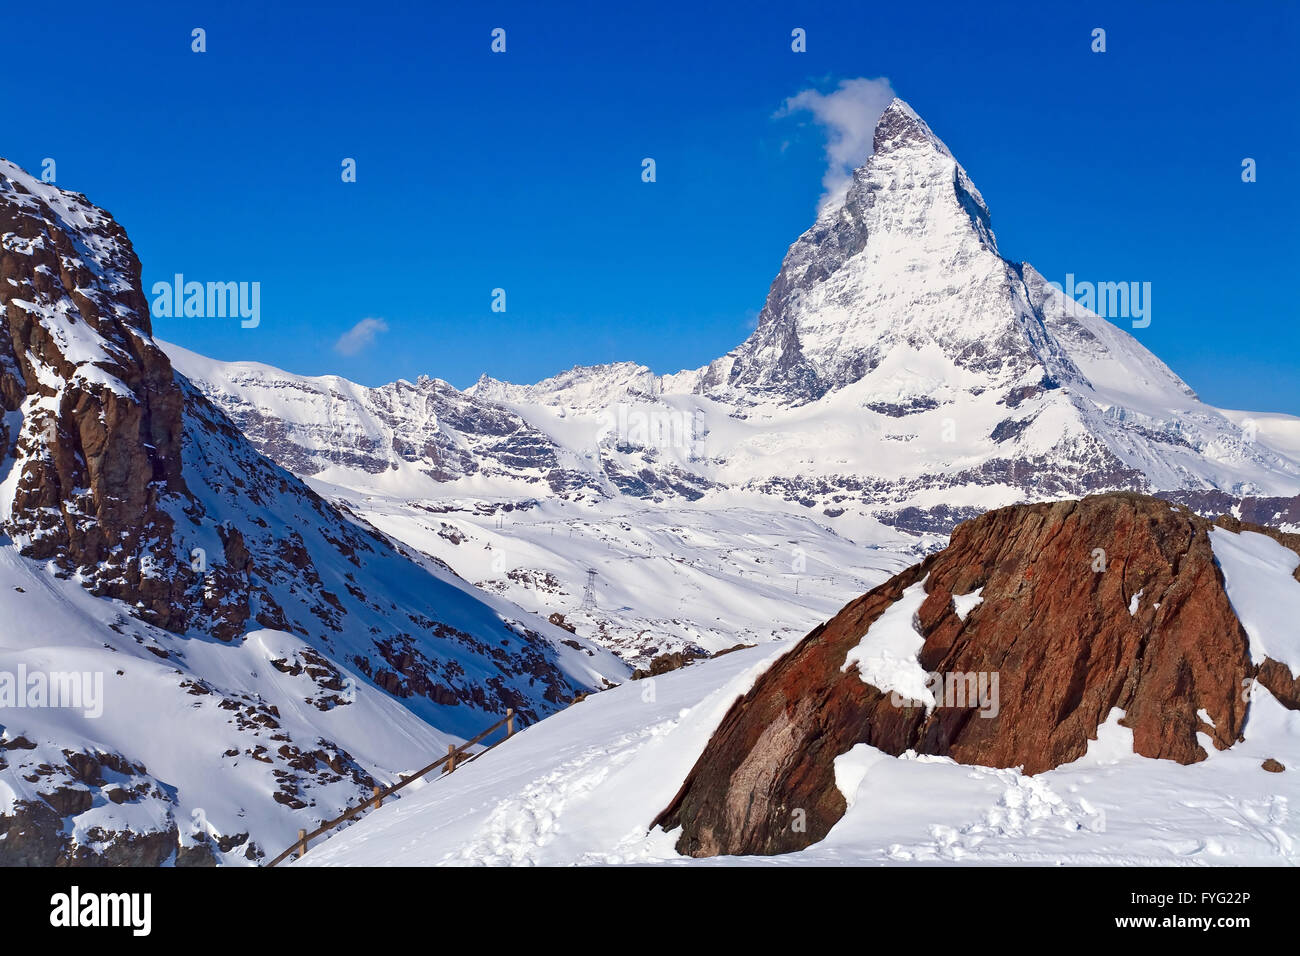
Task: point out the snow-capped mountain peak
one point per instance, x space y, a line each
906 257
899 126
901 368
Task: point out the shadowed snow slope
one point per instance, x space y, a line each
151 553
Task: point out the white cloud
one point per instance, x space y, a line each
849 114
360 337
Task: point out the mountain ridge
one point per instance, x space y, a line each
896 330
903 377
148 542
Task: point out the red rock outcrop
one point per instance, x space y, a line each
1054 627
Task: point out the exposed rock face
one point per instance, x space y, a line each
99 444
123 476
1153 634
1265 515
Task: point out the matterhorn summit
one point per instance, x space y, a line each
905 260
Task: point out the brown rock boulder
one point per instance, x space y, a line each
1054 628
1276 676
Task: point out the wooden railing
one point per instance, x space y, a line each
453 759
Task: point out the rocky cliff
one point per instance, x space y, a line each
1064 611
118 477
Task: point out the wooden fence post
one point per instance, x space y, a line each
378 793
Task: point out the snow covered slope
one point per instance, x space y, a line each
582 788
181 748
675 571
148 547
668 579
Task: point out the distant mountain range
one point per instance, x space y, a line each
901 368
903 377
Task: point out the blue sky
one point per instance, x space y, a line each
522 170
